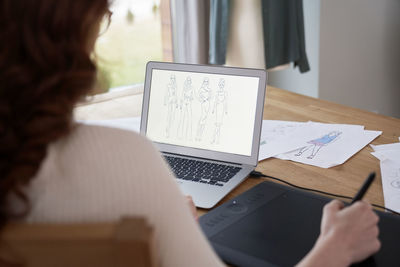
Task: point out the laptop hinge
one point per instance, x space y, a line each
199 158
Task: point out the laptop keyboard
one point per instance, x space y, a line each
200 171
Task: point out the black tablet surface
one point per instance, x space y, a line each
276 225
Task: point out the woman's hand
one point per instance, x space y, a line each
192 207
348 235
354 228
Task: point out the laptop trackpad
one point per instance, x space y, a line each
282 226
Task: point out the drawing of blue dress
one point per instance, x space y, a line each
326 139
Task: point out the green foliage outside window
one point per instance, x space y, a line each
124 49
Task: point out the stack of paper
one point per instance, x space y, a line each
389 156
320 144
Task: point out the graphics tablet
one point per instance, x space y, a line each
275 225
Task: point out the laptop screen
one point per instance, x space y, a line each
214 112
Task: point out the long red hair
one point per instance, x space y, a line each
45 69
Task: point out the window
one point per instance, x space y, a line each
132 39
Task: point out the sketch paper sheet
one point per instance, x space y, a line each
130 123
331 144
281 136
394 146
390 172
389 156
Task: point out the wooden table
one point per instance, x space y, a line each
344 179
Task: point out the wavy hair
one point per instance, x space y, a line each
45 69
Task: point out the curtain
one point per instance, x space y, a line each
219 29
283 30
190 23
283 26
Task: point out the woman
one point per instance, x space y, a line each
53 170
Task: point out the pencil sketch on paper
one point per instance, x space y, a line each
263 142
395 177
276 132
219 109
185 123
396 183
204 97
317 144
171 101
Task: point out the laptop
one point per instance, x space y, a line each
206 121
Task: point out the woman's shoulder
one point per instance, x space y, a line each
87 143
93 136
104 132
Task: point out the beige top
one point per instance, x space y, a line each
100 174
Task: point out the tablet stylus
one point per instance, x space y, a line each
364 187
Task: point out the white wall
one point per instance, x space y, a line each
360 54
